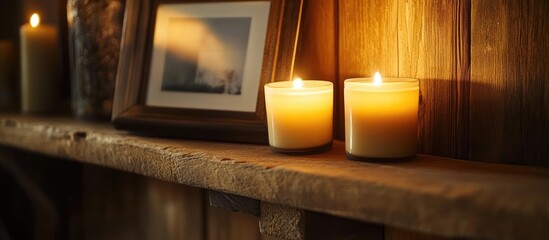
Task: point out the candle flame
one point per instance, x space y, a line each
377 79
34 20
298 83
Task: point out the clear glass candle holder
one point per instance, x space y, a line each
299 118
381 119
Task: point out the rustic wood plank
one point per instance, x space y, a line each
110 212
282 222
429 194
173 211
433 46
225 225
510 88
234 203
368 38
119 205
367 42
317 47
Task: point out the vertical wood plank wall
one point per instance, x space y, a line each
433 46
482 66
422 39
510 81
317 47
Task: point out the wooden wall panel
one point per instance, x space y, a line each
225 225
109 202
433 46
316 50
368 38
510 82
316 56
367 42
174 211
120 205
482 67
40 196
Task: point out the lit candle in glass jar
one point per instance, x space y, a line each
299 115
381 118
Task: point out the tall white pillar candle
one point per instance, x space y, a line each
39 67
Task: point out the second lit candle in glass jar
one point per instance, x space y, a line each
299 116
381 118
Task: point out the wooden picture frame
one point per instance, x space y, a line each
132 112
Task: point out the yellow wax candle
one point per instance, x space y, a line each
299 115
381 117
39 67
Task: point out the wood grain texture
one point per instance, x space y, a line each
367 38
430 194
174 211
433 38
225 225
132 56
119 205
317 46
316 56
234 203
282 222
109 212
367 43
510 87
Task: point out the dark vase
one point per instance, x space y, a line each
95 28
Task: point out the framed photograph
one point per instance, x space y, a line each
196 69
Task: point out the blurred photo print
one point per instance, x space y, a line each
208 55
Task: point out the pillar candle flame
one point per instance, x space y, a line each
34 20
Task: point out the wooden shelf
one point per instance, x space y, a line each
430 194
